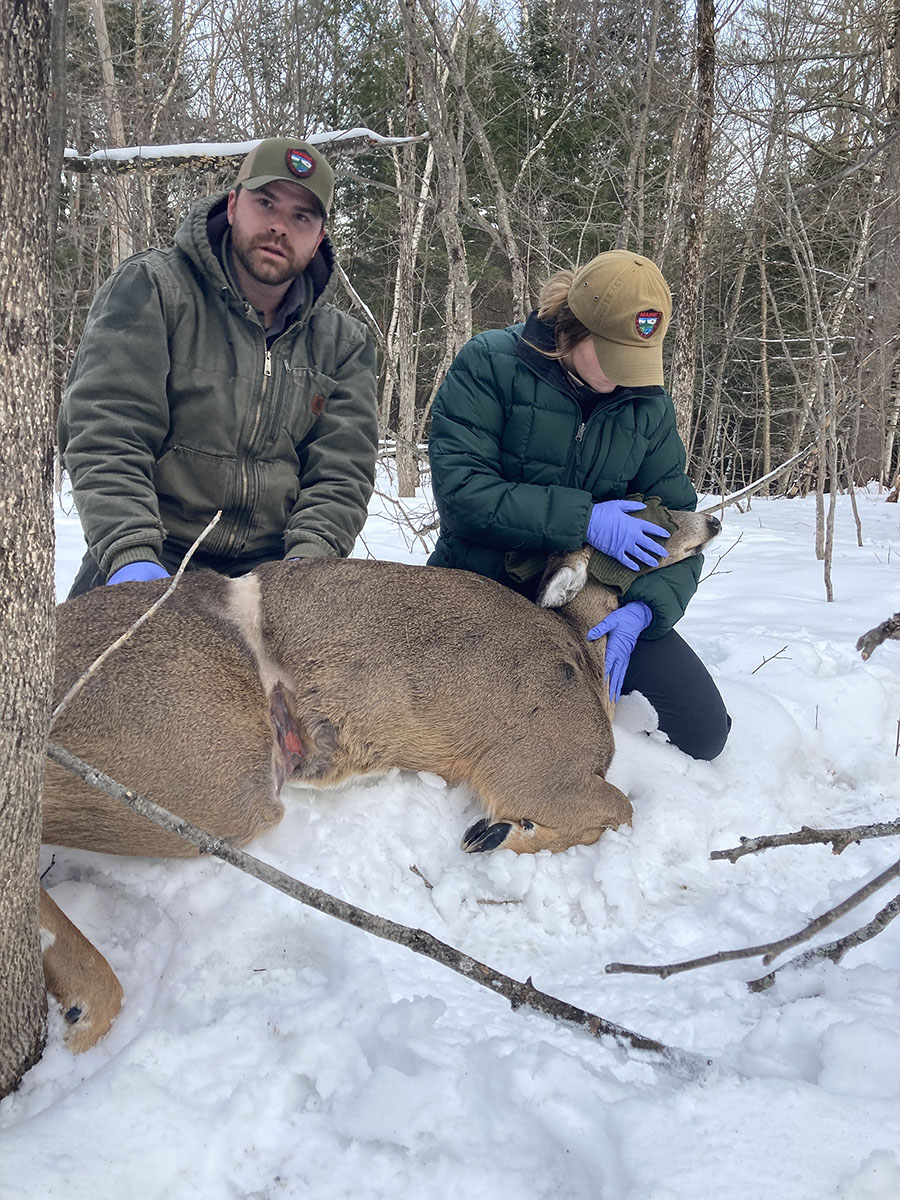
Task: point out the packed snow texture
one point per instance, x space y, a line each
266 1050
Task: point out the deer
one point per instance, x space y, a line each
317 671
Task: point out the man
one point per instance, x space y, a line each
215 375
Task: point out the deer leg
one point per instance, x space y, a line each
79 977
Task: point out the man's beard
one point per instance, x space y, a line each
262 269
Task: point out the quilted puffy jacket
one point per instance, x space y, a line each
516 466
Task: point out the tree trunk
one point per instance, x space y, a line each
120 201
26 530
450 187
683 369
880 343
631 231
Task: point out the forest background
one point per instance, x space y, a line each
753 152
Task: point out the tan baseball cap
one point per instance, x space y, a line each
624 301
292 160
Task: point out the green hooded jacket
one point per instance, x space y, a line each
176 407
516 466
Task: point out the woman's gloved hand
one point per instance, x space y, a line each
621 628
139 572
623 537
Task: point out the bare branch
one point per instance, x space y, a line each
724 554
769 950
834 951
217 156
771 657
733 497
806 835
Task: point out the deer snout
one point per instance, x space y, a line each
714 525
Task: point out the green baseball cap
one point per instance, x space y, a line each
291 160
624 301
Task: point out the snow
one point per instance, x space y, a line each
266 1050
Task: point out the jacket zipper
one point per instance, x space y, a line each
245 478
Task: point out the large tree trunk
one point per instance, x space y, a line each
26 531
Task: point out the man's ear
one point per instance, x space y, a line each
232 201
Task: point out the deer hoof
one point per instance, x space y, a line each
484 836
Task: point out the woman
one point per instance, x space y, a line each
541 430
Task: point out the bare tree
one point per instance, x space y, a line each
26 533
683 361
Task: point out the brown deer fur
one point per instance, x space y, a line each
321 670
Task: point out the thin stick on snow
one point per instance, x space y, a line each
769 950
834 951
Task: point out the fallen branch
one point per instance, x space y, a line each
834 951
120 641
806 835
769 950
520 995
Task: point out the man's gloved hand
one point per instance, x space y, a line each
138 572
624 537
622 628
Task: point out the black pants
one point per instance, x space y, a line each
90 576
691 712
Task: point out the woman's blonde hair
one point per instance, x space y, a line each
553 307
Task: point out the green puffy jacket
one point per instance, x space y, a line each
515 466
176 408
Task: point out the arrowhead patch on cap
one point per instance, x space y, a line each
300 163
647 322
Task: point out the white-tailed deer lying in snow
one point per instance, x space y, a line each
320 670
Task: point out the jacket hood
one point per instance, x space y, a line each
200 238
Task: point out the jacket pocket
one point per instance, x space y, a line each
302 394
192 485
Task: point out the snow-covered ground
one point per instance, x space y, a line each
267 1051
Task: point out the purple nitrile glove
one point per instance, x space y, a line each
138 572
622 628
624 537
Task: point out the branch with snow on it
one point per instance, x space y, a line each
129 158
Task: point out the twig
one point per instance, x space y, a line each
839 839
120 641
769 950
715 569
418 940
415 870
769 659
836 950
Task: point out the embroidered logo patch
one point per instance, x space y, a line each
300 163
647 322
